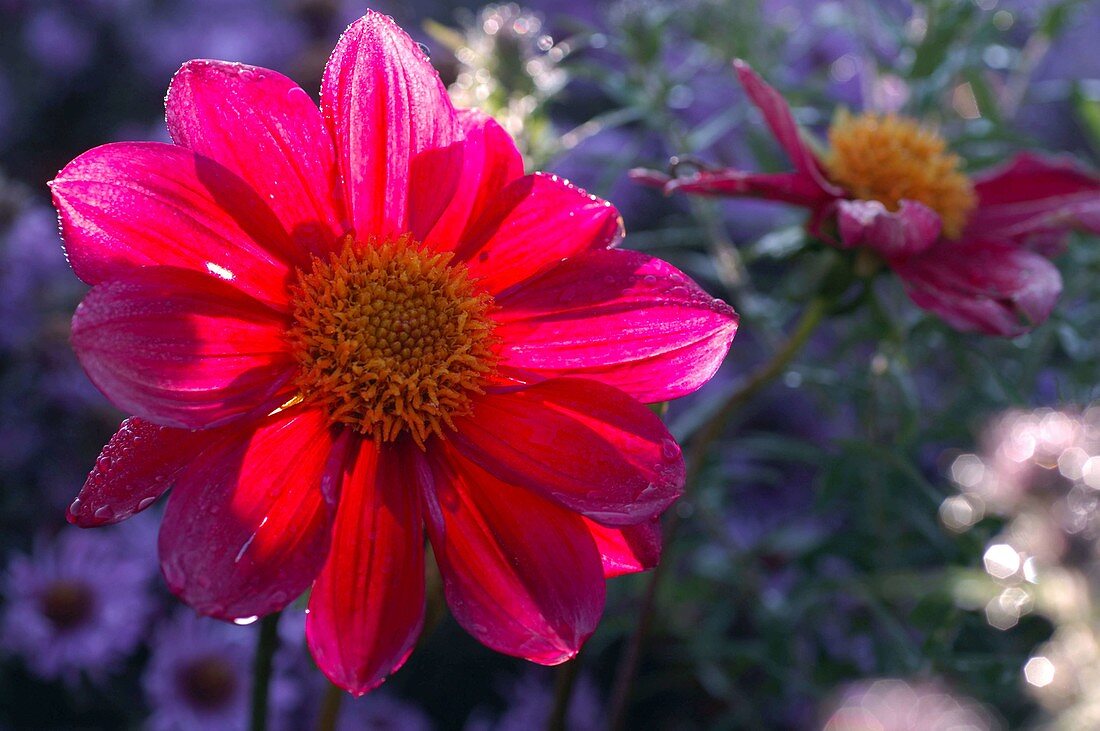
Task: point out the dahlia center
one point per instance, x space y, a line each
391 338
66 604
888 158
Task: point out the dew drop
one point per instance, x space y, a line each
649 279
104 513
75 506
146 502
670 449
245 621
296 91
173 574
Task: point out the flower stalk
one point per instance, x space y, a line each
266 645
330 708
627 671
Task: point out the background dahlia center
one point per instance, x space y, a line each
391 337
888 158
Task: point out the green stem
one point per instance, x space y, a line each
563 690
266 645
330 708
710 431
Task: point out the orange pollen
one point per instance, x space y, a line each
888 158
391 337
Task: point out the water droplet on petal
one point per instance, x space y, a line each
296 91
104 513
75 507
146 502
670 449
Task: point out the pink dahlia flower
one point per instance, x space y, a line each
969 250
341 329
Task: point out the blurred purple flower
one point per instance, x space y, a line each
531 701
199 677
57 40
32 271
380 711
77 604
242 30
9 106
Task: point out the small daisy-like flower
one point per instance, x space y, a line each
971 250
199 676
341 329
76 605
382 712
531 704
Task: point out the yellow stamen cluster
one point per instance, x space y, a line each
391 337
889 158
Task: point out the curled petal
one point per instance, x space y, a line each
910 230
131 204
670 335
797 188
996 288
182 349
139 464
265 128
520 573
1034 198
367 606
247 526
651 178
777 115
384 105
534 223
587 446
627 550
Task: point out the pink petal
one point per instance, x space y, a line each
587 446
912 229
777 115
263 127
534 223
384 105
367 606
247 526
1034 197
521 574
489 161
627 550
131 204
181 348
992 287
669 335
797 188
138 465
